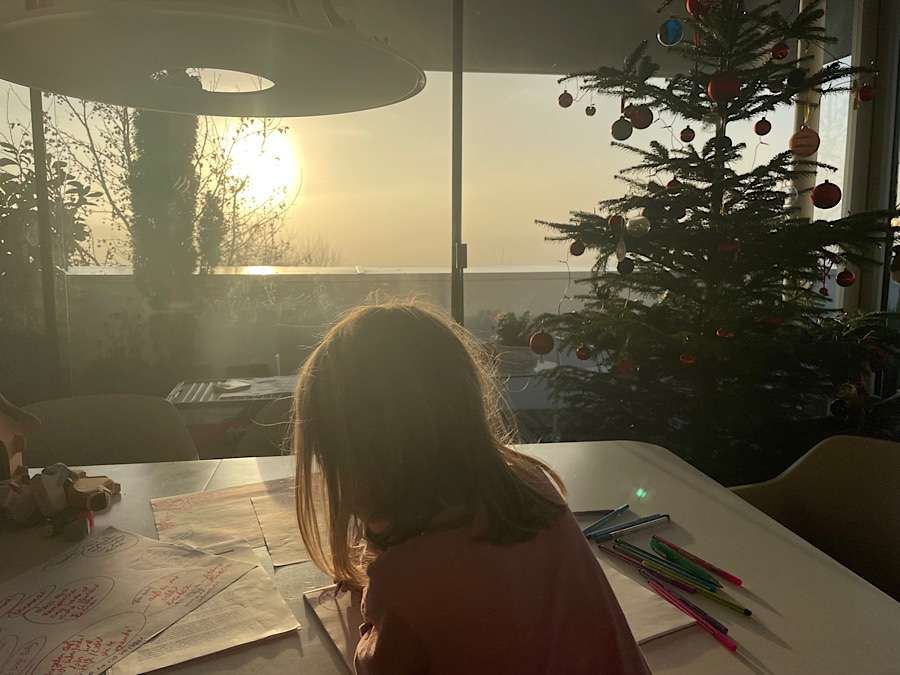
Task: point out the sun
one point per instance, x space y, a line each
268 164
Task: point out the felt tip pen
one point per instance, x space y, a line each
672 568
634 562
671 574
629 527
725 601
677 559
720 637
605 518
718 625
730 578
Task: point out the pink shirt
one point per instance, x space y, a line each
447 604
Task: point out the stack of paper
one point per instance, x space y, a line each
249 610
121 601
102 599
260 513
207 519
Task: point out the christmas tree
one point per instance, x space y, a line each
707 325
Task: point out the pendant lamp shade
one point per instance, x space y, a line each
152 54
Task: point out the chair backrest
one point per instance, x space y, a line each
108 429
269 433
843 496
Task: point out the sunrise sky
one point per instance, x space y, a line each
375 185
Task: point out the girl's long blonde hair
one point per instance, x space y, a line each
397 419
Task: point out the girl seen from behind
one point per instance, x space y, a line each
470 560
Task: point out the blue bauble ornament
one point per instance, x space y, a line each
671 32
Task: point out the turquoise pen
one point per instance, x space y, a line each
626 528
619 510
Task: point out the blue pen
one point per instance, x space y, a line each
619 510
616 530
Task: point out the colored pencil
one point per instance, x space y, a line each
674 557
619 510
630 526
637 563
663 563
723 639
730 578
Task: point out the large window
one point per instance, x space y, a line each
202 248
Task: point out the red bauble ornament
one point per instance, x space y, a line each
826 195
780 51
845 278
640 116
773 320
724 333
674 185
696 8
541 343
565 99
577 247
616 220
723 87
823 292
729 246
687 135
582 352
762 127
805 142
590 111
687 359
865 93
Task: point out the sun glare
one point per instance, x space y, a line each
269 166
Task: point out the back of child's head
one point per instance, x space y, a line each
399 410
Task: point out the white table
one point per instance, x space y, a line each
811 615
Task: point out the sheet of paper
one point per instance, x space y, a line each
277 516
206 519
100 600
648 615
249 610
340 617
